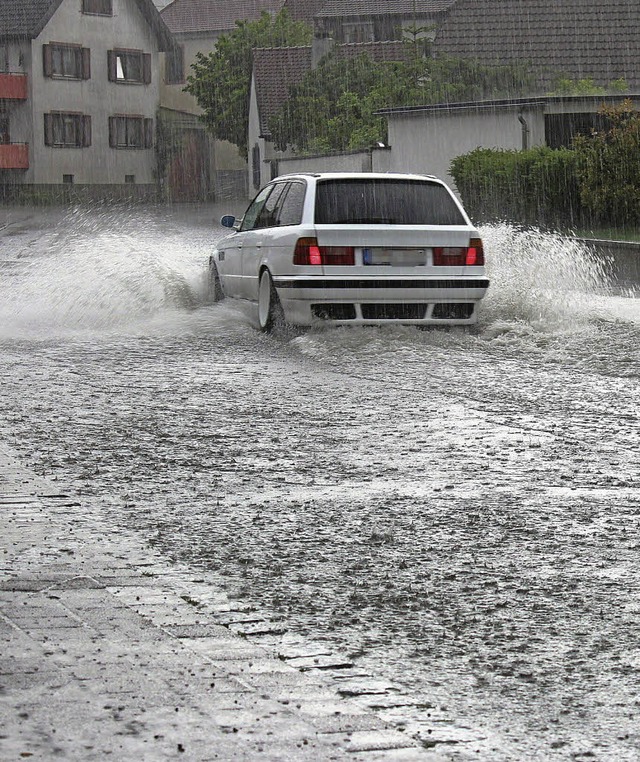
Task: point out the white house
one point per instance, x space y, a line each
79 92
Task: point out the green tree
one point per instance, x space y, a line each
334 107
567 86
609 166
221 80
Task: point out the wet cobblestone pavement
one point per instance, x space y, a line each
456 514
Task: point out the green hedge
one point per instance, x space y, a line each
538 186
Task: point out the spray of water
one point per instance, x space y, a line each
102 269
114 269
544 281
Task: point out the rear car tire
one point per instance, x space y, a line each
270 312
216 294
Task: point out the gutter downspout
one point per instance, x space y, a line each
525 131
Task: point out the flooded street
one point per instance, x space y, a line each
457 511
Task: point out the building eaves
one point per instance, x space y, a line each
505 103
193 17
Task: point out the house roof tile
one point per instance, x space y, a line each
303 10
276 70
579 39
332 8
203 16
27 18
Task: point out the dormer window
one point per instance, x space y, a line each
129 66
98 7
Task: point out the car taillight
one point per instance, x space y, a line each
307 252
459 256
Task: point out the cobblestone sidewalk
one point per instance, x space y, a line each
109 651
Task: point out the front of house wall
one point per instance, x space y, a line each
97 164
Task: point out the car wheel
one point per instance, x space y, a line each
270 312
216 294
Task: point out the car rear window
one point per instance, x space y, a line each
385 202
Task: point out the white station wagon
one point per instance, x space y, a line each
353 249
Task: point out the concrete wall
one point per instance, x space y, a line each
227 167
173 96
98 163
346 162
427 142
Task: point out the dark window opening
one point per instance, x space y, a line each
67 179
4 129
174 66
130 132
561 129
98 7
385 202
67 61
255 165
67 130
129 66
130 179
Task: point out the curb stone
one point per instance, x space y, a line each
108 650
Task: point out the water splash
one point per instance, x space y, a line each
102 269
547 281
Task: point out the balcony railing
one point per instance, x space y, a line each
13 87
14 156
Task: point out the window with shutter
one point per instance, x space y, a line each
98 7
174 66
130 132
67 130
129 66
62 61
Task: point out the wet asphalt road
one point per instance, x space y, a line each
458 511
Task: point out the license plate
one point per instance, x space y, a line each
395 257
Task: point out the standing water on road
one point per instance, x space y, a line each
456 511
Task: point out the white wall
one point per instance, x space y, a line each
98 163
351 162
427 142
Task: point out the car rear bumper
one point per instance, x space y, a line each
379 301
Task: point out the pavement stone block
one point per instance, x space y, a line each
377 740
102 640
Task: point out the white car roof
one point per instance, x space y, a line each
359 175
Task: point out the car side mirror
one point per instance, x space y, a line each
228 221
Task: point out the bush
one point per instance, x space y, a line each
608 167
538 186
